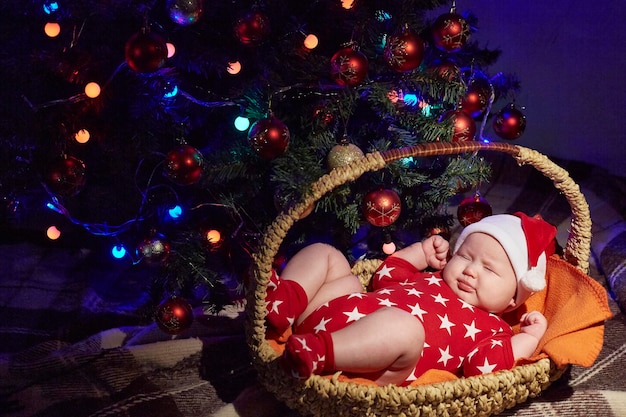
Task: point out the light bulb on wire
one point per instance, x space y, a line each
311 41
92 90
82 136
52 29
234 67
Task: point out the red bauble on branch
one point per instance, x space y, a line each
252 28
472 209
509 123
174 316
382 207
464 125
478 96
348 67
145 52
269 137
65 176
447 70
183 165
450 32
404 52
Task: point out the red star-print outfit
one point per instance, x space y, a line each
460 338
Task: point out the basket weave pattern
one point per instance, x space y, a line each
480 395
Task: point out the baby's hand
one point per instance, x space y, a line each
534 323
436 251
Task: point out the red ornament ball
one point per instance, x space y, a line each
478 96
348 67
450 32
154 250
509 123
404 52
145 52
183 165
174 316
464 125
269 137
65 176
382 207
472 209
447 70
252 28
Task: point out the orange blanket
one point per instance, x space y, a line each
576 307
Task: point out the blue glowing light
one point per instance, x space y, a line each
118 251
410 99
175 212
382 15
53 207
50 7
171 93
242 123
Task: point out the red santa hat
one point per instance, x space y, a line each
528 241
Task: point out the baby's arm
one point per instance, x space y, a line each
533 327
432 252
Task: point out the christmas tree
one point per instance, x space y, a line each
175 131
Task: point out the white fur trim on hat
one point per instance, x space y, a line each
507 229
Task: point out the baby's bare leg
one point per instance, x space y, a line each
324 274
383 346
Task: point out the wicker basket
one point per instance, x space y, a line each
480 395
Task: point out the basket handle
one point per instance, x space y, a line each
577 248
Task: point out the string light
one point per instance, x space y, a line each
347 4
213 236
171 49
234 67
82 136
311 41
50 7
92 90
52 29
118 251
53 233
242 123
175 212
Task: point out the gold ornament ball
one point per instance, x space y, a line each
343 154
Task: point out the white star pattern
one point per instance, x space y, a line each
386 302
471 330
353 315
445 356
356 295
472 353
320 358
385 271
495 342
275 305
303 344
321 326
486 367
414 292
466 305
385 291
439 299
446 323
416 310
433 280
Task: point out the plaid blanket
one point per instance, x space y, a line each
75 344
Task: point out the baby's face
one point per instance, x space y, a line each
480 273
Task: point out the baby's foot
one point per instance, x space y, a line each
304 355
